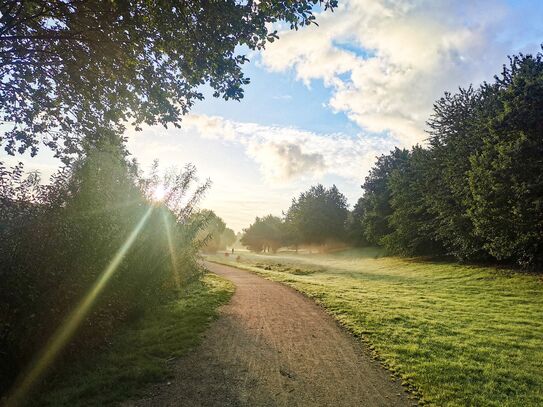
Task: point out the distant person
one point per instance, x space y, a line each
232 250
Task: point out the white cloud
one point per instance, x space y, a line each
257 169
288 154
387 61
286 160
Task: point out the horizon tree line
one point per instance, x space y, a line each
473 192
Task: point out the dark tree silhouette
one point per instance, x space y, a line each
82 68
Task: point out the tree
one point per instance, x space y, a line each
228 238
265 234
410 222
57 240
74 68
506 176
318 215
477 191
375 203
456 128
354 228
213 231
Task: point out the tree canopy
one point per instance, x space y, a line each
85 68
214 233
265 234
57 240
476 191
375 204
317 215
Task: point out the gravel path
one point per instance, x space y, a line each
274 347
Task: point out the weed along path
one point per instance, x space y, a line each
271 346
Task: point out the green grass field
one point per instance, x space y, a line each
142 353
457 335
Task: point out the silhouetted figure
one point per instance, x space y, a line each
232 250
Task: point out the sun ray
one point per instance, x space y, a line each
171 246
66 331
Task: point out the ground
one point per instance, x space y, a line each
274 347
141 353
456 334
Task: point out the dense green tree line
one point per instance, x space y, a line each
266 234
317 217
476 191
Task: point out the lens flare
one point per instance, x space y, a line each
63 334
159 193
171 246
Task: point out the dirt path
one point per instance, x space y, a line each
274 347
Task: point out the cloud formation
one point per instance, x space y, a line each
387 61
286 153
286 160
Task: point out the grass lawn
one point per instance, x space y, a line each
141 353
457 335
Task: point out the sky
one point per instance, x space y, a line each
324 101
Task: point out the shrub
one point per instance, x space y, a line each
57 240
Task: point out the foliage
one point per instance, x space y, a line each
214 234
506 177
354 229
212 231
456 128
318 215
476 191
411 222
73 69
228 238
265 234
56 240
457 335
376 199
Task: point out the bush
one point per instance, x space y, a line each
57 240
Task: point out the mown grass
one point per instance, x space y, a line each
457 335
142 353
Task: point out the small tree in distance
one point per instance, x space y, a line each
317 216
228 238
215 235
265 234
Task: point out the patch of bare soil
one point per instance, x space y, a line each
272 346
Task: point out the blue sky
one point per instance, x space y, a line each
324 101
280 99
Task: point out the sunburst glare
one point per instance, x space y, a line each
159 193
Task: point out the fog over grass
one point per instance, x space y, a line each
457 334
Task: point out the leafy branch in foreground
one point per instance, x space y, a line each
81 68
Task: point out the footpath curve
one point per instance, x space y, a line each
271 346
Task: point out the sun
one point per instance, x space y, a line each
159 193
